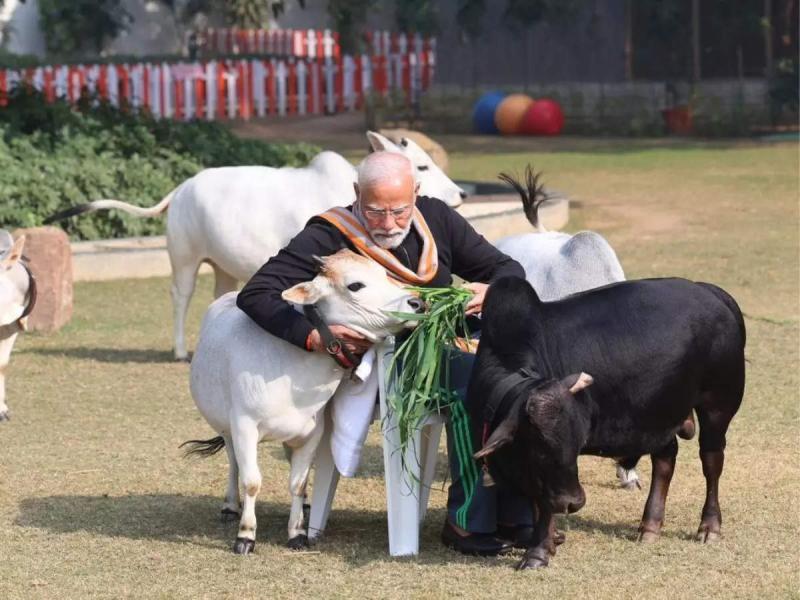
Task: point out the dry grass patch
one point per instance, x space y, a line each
95 500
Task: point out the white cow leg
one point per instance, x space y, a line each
231 508
223 282
4 414
183 282
5 354
301 460
245 444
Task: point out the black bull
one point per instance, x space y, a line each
654 351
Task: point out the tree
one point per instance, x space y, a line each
417 16
74 27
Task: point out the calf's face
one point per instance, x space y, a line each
549 430
354 291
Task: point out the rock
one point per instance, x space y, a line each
434 149
50 260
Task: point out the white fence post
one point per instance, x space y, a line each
301 86
280 77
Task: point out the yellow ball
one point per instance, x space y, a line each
510 112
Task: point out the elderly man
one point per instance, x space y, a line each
420 241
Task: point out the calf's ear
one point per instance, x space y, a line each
307 292
577 382
13 254
501 436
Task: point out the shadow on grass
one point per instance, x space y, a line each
357 536
627 530
108 355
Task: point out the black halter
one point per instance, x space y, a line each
333 345
511 382
30 301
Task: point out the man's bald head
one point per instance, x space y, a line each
385 169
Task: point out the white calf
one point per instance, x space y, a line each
235 218
251 386
559 264
17 298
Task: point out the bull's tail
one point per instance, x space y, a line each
203 448
532 197
139 211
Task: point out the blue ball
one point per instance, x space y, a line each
483 115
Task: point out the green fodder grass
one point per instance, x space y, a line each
96 501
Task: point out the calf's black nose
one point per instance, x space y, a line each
417 305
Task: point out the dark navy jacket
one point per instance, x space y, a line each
461 250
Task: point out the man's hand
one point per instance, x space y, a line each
475 305
352 340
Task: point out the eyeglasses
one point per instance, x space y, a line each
396 213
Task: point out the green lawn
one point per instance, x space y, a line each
96 501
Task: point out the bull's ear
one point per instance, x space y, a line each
504 434
13 254
307 292
379 142
577 382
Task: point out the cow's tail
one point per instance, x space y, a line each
203 448
532 195
139 211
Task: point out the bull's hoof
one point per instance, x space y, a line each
559 537
649 537
243 546
707 536
531 563
298 542
228 515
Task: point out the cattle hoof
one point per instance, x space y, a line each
708 537
243 546
559 537
298 542
648 537
531 563
227 515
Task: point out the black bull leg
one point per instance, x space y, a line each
663 468
542 543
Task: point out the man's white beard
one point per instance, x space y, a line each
389 240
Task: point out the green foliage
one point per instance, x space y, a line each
75 27
420 366
417 16
53 157
349 18
783 90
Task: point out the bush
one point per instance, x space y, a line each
54 156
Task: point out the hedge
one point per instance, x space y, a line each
54 156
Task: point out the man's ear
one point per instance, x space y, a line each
577 382
308 292
13 254
379 142
504 434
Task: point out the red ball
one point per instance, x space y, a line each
543 117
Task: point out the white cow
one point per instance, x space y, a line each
559 264
251 385
17 298
235 218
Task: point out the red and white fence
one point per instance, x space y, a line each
305 43
237 88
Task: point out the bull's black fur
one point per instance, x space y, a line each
203 448
657 349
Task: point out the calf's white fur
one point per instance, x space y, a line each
251 386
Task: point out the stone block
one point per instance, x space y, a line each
50 260
434 149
